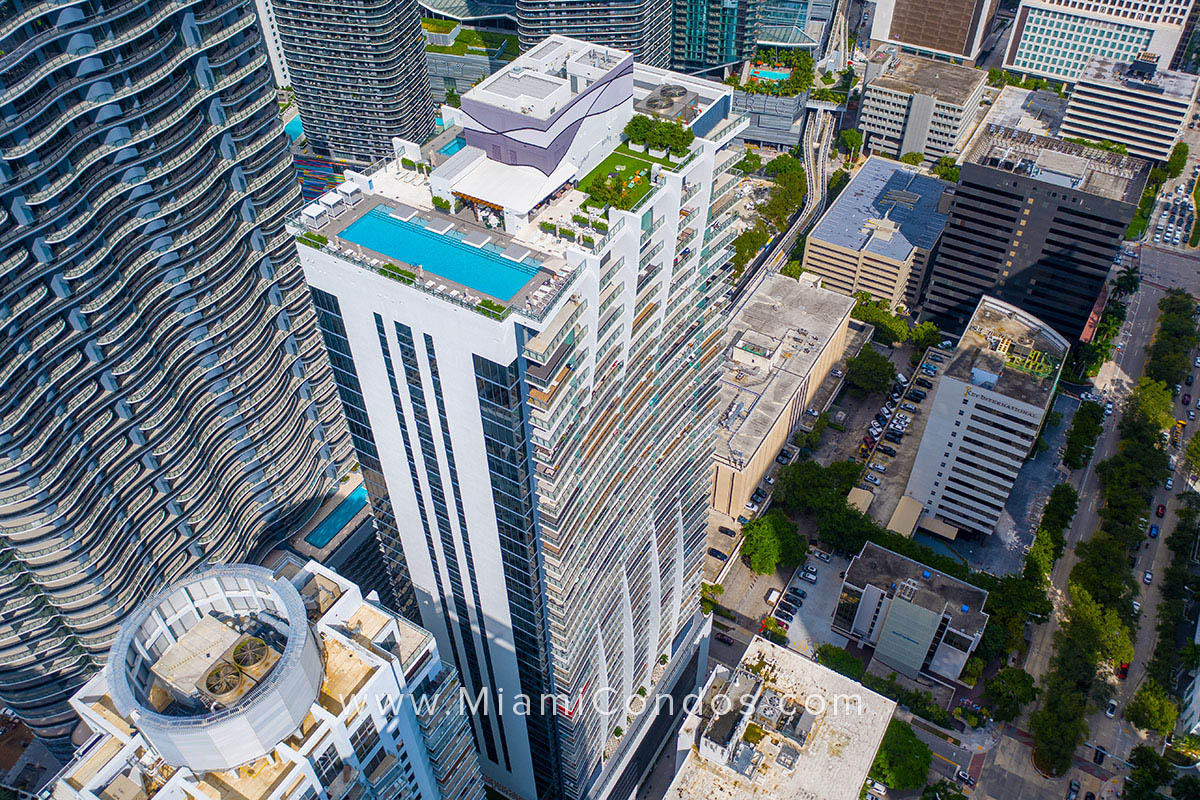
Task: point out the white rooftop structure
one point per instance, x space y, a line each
816 732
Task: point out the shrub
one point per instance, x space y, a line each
588 240
408 163
441 203
548 227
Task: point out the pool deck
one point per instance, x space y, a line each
301 545
397 187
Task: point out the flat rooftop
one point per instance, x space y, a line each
823 753
1067 164
1166 83
929 588
888 209
793 320
1038 112
1009 351
950 83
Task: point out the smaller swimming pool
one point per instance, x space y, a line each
332 525
770 74
294 128
453 146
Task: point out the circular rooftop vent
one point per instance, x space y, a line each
223 681
250 652
659 103
672 90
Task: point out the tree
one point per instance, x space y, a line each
852 140
746 246
1081 437
1154 401
1152 709
1009 691
840 660
1149 772
1186 787
903 760
1128 280
925 335
774 631
751 162
946 169
785 164
914 158
1177 160
869 372
770 540
942 790
889 328
1191 453
792 269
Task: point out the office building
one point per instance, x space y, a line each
165 395
794 24
1035 222
1054 39
985 417
532 386
359 76
918 620
878 234
786 339
917 105
458 56
641 27
779 726
948 30
1134 104
261 684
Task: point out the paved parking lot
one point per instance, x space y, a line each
811 625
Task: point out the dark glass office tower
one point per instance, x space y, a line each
358 72
165 397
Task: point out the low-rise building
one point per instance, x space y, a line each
787 338
919 621
779 726
271 684
984 419
1131 103
918 105
878 234
458 56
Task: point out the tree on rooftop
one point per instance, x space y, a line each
914 158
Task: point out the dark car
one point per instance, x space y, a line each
1189 380
887 451
1073 790
758 496
893 437
1161 511
724 638
1153 531
782 616
918 395
784 605
717 554
868 441
881 419
928 384
796 594
730 532
1187 398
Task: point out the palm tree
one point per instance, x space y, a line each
1128 280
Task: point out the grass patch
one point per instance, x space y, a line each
503 46
438 25
633 178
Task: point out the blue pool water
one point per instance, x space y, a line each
770 74
332 525
480 269
453 146
294 128
438 121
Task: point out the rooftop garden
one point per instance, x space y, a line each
620 180
438 25
800 73
470 42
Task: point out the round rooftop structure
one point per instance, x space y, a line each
218 668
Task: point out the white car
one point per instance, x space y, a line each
871 479
1111 711
752 506
875 465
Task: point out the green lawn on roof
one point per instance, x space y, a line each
632 172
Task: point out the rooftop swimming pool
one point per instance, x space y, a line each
769 74
453 146
294 128
332 525
481 269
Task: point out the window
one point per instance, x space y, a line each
327 765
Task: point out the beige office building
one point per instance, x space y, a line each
786 340
878 234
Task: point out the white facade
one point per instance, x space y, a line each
270 31
175 719
544 455
985 416
1055 38
1134 104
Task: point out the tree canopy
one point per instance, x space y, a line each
903 760
870 372
914 158
1152 709
771 540
1153 400
925 335
1007 692
1177 160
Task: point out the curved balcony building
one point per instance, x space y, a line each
165 397
359 75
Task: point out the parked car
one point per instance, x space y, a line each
1189 380
1111 711
1108 408
752 506
795 595
783 617
730 532
786 607
909 407
811 577
1123 670
918 395
887 451
810 568
1171 481
717 554
769 480
1153 531
724 638
868 441
923 382
1161 511
936 357
965 777
1187 398
875 465
821 555
1073 790
871 479
1147 577
893 437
